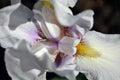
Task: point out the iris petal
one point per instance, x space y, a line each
106 66
67 45
84 19
18 66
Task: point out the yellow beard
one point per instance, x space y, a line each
87 51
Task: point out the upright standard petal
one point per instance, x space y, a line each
50 30
47 10
100 58
68 3
84 19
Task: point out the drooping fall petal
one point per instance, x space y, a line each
100 59
21 64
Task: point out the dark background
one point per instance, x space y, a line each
106 20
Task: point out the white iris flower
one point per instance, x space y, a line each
51 39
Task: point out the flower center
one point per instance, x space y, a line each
59 58
87 51
67 31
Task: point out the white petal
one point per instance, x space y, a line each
54 30
22 52
14 15
6 40
68 63
50 30
47 11
67 45
69 74
106 66
42 77
14 69
44 5
29 31
49 15
62 12
17 73
45 52
10 18
67 67
5 14
21 15
72 2
77 31
84 19
45 59
68 3
38 16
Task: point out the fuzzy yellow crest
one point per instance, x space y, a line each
87 51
